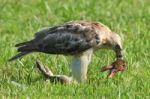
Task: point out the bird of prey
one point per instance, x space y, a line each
76 38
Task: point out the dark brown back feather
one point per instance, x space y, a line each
69 38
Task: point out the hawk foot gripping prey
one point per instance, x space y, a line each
118 65
47 73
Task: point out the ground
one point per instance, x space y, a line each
20 19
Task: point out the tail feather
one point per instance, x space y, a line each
22 44
23 49
18 56
27 48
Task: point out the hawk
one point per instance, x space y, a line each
76 38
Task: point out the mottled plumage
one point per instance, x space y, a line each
70 38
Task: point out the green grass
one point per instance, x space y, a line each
20 19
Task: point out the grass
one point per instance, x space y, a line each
20 19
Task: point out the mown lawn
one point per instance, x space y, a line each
20 19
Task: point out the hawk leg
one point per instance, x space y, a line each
80 64
47 73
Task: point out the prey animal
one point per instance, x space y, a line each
76 38
116 66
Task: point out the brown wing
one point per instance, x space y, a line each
69 38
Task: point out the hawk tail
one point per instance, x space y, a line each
21 54
23 49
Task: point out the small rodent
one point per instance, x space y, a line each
116 66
